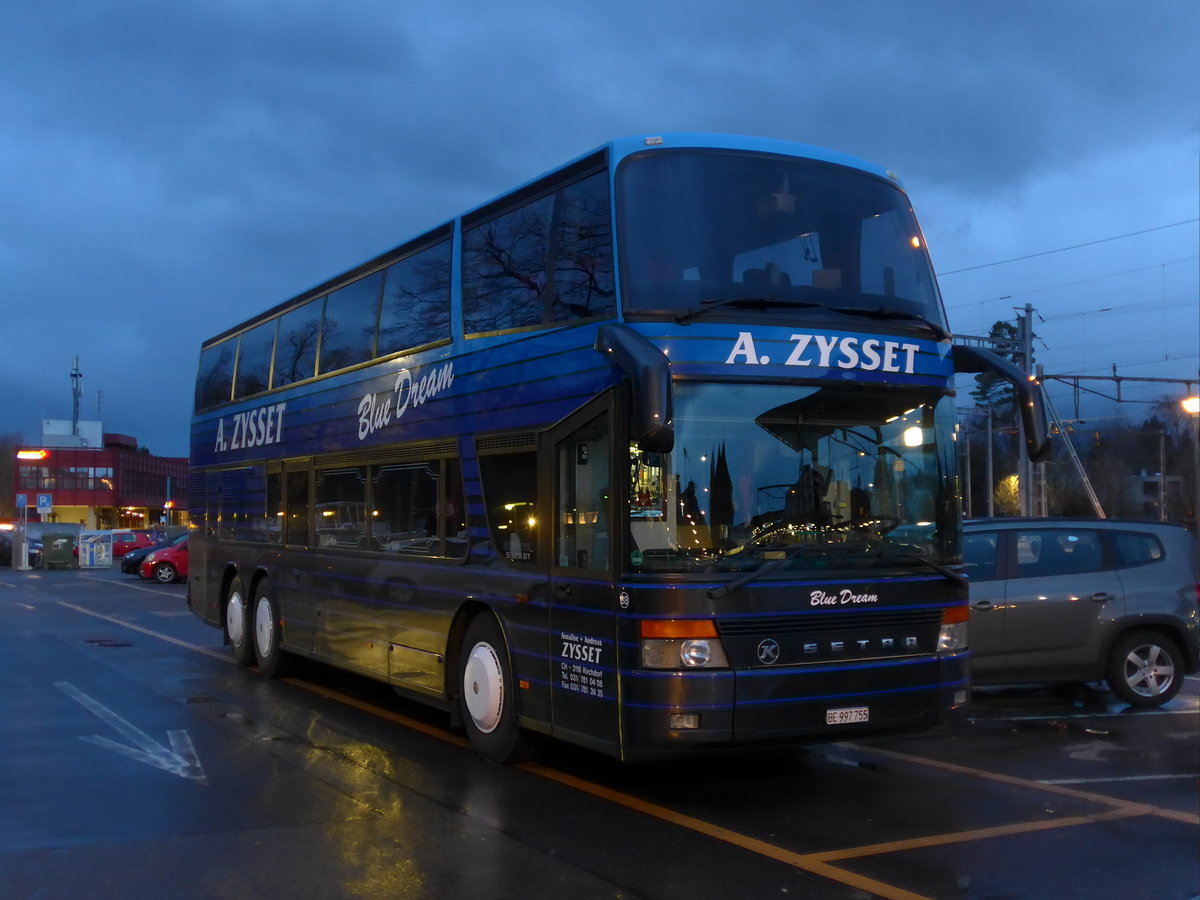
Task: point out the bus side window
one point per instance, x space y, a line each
273 514
297 508
214 384
341 506
510 491
582 513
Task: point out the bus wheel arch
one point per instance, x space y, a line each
485 689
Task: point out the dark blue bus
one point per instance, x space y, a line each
653 454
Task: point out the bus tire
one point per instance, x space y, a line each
487 694
268 634
238 634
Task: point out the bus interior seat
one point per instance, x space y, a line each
771 274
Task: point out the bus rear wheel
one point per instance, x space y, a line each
237 624
486 692
268 633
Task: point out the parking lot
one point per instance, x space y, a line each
139 760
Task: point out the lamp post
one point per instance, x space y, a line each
1191 405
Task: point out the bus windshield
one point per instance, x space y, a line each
824 477
705 229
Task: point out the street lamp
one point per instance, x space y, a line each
1191 405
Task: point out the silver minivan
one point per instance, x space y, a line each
1077 600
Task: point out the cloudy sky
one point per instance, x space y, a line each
168 167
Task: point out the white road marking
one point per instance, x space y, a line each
1114 779
180 760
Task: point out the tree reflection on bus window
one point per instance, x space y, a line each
416 300
348 332
296 348
549 260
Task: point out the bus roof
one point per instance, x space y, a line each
617 150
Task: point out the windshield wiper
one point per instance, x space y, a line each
791 553
788 555
956 577
882 312
743 303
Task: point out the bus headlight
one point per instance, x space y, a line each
953 636
682 644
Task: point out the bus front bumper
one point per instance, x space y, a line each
678 712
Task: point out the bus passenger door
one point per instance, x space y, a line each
292 577
583 650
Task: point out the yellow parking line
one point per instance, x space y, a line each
1059 789
809 862
979 834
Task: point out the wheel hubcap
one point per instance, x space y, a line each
483 687
264 627
235 619
1148 671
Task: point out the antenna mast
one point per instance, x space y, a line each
76 393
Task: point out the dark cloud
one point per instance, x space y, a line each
169 169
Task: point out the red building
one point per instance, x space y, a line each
113 486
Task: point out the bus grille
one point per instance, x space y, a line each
817 623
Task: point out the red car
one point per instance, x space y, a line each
167 564
124 541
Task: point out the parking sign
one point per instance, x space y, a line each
44 504
22 501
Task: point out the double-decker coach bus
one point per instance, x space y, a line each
653 454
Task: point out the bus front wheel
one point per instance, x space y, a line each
237 624
487 692
268 634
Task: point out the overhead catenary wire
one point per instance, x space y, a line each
1115 237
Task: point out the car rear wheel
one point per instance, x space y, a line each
164 573
1145 668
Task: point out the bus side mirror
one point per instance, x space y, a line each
1028 394
649 372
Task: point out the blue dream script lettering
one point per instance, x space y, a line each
376 411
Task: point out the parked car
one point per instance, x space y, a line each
124 541
8 546
167 564
131 562
1081 600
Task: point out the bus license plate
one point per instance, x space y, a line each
847 716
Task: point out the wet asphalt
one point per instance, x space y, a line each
137 761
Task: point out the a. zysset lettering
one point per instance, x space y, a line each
827 351
254 428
